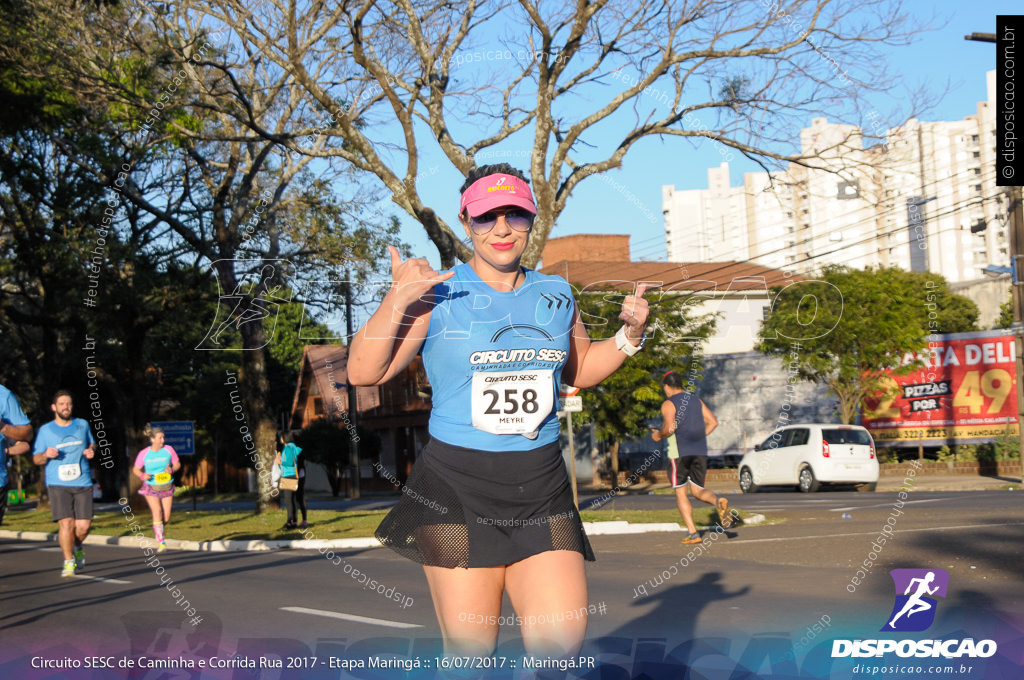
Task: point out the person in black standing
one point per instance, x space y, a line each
300 493
292 480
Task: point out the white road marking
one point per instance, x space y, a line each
874 533
758 508
351 617
884 505
773 507
101 578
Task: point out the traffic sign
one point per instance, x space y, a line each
572 404
179 435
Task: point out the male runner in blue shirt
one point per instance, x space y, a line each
65 446
14 429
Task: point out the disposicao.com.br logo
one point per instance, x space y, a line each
913 611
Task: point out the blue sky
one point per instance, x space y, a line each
628 200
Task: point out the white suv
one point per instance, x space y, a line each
808 456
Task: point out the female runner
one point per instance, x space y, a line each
489 507
154 466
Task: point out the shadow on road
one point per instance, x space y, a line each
658 651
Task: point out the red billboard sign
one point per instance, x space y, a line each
966 391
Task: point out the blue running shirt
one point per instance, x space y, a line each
289 459
494 360
10 414
154 462
70 468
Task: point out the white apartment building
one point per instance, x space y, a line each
925 199
720 211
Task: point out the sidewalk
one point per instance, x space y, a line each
885 484
591 528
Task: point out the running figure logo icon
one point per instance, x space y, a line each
914 609
256 299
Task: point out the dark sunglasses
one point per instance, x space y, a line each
520 220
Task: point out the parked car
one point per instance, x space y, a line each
725 460
810 455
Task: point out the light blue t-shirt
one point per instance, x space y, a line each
289 459
154 462
494 360
10 414
70 468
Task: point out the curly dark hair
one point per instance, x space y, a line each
495 168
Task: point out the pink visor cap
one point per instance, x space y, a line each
495 191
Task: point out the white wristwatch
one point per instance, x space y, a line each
623 344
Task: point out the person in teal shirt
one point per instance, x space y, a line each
154 466
292 469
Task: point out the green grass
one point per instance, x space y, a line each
183 494
704 516
214 525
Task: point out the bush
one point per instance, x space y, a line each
326 443
1004 448
958 453
887 456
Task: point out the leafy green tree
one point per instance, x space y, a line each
952 313
190 385
620 406
241 203
326 443
578 86
852 328
1005 319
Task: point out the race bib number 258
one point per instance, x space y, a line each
512 402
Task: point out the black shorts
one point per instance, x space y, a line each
70 501
469 508
687 469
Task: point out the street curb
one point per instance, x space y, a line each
203 546
752 520
591 528
620 527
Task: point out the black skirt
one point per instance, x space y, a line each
469 508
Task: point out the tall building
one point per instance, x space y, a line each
925 199
706 225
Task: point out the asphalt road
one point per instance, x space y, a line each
784 584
